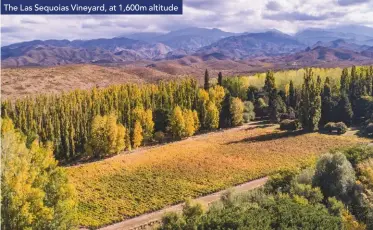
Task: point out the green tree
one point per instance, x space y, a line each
220 79
292 95
207 80
345 112
236 111
35 192
310 104
334 175
345 81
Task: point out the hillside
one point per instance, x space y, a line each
253 44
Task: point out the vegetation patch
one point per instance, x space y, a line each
128 185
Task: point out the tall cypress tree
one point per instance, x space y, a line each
310 105
345 81
292 97
220 79
207 80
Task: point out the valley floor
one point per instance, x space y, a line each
129 185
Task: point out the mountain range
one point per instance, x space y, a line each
310 46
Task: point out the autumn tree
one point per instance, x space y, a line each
177 123
216 95
107 136
236 111
137 134
212 116
35 192
191 122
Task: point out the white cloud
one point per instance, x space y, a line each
234 16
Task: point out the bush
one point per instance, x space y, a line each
340 127
290 125
330 127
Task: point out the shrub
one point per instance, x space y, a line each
290 125
330 127
249 113
340 127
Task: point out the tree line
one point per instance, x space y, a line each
101 122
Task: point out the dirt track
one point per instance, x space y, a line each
147 220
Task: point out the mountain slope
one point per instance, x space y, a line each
253 44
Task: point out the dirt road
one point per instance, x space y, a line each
146 221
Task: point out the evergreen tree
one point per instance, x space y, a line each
345 81
207 80
328 104
345 112
310 104
220 79
269 84
292 95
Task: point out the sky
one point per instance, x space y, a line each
288 16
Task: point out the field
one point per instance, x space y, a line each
131 184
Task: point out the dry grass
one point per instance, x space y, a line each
128 185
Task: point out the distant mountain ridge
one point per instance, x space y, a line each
348 43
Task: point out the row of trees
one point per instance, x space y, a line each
334 194
101 122
317 102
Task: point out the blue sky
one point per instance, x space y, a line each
288 16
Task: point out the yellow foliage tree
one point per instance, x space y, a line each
35 192
191 125
236 110
212 116
145 117
216 95
107 137
137 135
177 123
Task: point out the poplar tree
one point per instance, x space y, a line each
137 134
236 111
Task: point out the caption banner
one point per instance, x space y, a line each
91 7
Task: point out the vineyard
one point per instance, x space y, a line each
131 184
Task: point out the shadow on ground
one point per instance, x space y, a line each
269 137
